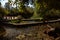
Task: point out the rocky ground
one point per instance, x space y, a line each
28 33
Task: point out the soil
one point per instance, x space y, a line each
29 33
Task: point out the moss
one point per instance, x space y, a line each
15 21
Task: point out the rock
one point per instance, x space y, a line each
2 31
29 35
20 36
58 38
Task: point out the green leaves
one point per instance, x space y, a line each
41 7
3 11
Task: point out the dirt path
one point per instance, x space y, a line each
28 33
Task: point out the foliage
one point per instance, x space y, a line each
53 4
27 13
23 10
21 7
15 21
41 9
3 11
14 11
50 3
10 2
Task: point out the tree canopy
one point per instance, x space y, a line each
41 8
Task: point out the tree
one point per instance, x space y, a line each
28 13
53 4
0 4
10 3
50 3
7 6
3 12
41 7
13 12
20 6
